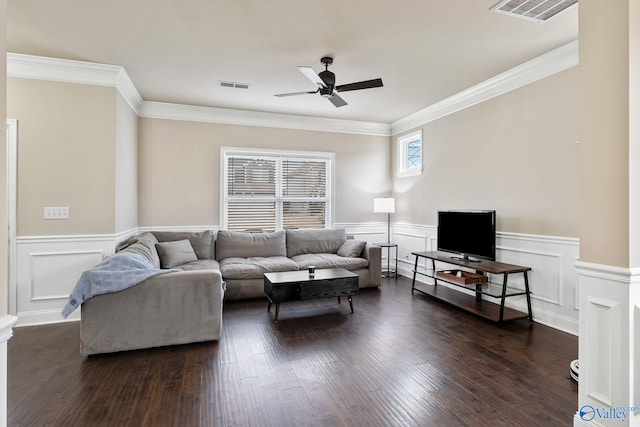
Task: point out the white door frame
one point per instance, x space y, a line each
12 199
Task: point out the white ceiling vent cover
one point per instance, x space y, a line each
533 10
234 85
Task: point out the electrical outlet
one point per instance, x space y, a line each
56 213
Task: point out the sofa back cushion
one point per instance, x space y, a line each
240 244
326 241
144 245
201 241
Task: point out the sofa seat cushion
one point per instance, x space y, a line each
201 264
329 261
254 267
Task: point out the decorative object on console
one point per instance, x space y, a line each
385 205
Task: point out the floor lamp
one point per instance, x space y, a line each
385 205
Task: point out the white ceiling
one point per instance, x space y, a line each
176 51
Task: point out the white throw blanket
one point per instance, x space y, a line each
121 271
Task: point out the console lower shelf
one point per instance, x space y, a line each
482 308
473 304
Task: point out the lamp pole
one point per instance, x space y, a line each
388 227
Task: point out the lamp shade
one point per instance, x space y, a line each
384 205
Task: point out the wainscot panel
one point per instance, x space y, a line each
47 269
553 278
609 341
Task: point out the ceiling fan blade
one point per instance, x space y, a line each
312 75
366 84
337 101
295 93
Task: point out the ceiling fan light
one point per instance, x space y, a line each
326 92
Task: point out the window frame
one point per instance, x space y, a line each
403 143
280 156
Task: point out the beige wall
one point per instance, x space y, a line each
604 133
179 168
516 153
66 155
4 221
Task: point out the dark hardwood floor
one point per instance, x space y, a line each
399 360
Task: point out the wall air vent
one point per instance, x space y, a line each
533 10
234 85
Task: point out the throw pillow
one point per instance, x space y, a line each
173 254
351 248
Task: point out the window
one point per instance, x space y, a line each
275 190
410 154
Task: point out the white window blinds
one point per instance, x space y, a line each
276 190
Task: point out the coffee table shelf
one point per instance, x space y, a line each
288 286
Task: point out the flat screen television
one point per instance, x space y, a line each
469 233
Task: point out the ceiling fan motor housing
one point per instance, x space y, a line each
329 79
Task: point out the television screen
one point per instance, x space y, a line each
472 234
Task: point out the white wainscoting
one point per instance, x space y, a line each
609 345
47 269
552 279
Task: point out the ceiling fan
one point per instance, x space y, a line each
326 82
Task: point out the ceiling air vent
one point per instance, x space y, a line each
533 10
234 85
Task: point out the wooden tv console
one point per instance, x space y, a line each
477 281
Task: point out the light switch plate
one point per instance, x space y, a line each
56 213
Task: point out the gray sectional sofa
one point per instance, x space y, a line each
185 306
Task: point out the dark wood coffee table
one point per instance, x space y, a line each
290 286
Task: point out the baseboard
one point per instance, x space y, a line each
7 322
45 317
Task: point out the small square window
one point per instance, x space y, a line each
410 154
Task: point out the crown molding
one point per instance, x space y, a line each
68 71
35 67
161 110
545 65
